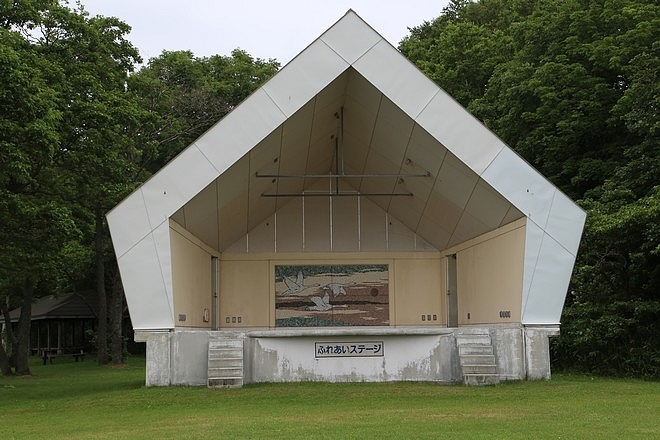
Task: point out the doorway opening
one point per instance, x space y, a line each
214 293
452 292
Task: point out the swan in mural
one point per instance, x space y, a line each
297 285
320 304
323 304
336 288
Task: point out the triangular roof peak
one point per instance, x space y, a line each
395 112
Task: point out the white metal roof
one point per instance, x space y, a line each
396 121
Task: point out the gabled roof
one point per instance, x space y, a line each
396 121
68 306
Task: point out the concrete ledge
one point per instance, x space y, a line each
144 335
351 331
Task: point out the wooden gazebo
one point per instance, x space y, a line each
61 324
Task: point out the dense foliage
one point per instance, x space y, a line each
63 103
78 132
573 87
185 95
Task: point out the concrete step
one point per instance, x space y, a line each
233 373
224 354
225 361
483 359
479 369
220 363
475 349
230 356
481 379
225 382
226 344
473 338
477 357
219 345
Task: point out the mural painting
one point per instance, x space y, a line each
332 295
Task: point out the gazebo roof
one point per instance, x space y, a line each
68 306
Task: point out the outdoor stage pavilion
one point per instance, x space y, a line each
349 221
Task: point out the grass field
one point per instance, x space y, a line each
69 400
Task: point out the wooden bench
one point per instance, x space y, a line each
49 355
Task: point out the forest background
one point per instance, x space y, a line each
571 85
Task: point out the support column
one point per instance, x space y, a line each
159 356
537 350
38 347
59 336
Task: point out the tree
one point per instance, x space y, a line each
186 95
573 87
78 135
69 155
35 228
96 153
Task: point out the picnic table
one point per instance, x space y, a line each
48 354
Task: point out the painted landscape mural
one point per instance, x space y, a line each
332 295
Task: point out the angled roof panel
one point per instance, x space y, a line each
397 78
304 77
350 38
200 214
434 232
522 185
161 238
487 205
167 192
533 239
511 215
396 121
467 227
455 181
130 223
240 130
424 153
460 132
549 283
146 294
565 222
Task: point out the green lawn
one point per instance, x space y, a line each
71 400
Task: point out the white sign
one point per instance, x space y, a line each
348 349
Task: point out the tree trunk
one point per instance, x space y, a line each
102 332
8 343
23 333
5 369
10 336
116 318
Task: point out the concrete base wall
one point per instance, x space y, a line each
180 356
537 351
508 348
421 356
177 357
158 369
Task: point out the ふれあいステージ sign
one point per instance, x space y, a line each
348 349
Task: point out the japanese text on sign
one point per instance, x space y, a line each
348 349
